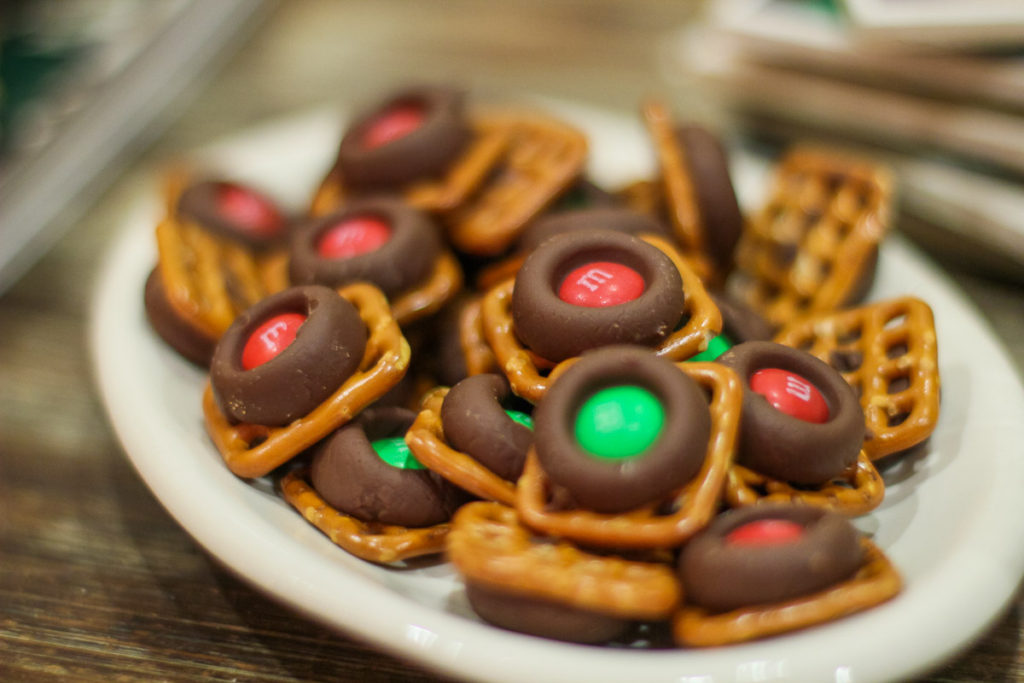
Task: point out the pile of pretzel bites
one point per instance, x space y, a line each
607 407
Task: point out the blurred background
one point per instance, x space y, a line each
935 88
98 96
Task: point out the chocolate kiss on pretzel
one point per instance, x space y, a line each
887 352
813 245
668 517
549 587
385 242
216 257
418 142
771 569
466 435
697 190
252 449
801 433
683 334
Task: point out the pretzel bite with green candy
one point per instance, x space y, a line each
620 428
367 492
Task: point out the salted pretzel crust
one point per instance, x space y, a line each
543 157
680 196
487 545
807 247
371 541
426 440
435 195
644 196
875 582
858 490
692 507
475 352
892 340
252 450
530 376
444 282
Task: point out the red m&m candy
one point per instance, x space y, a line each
249 211
392 125
353 236
270 339
791 394
765 532
601 283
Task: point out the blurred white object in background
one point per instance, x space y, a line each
950 122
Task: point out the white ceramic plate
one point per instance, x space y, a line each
952 520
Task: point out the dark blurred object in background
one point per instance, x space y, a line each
82 84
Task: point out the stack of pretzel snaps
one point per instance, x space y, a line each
617 412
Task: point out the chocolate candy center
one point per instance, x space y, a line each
393 124
619 422
601 283
270 339
791 394
395 452
520 418
353 236
716 347
762 532
249 211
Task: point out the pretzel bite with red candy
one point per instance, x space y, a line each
802 432
295 367
773 568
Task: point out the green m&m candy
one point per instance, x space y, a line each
619 422
395 452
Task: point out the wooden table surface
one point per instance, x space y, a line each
97 582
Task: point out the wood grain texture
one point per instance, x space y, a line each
97 582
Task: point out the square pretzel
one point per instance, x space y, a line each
690 509
858 490
812 244
887 352
544 156
489 545
252 450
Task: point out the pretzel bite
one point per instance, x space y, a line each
802 432
582 290
774 568
285 355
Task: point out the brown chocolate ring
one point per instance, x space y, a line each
199 203
712 185
721 576
405 260
611 486
179 334
350 476
788 448
556 330
421 153
327 349
620 219
475 423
